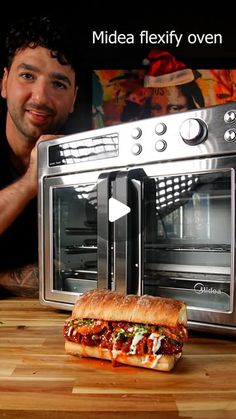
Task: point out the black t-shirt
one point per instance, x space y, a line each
19 243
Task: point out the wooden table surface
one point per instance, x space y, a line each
38 380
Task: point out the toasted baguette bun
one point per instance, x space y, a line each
156 362
113 306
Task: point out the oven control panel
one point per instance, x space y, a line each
202 132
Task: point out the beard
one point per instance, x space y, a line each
32 130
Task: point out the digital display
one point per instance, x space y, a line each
80 151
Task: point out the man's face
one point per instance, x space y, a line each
168 100
40 94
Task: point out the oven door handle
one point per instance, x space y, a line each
128 231
104 239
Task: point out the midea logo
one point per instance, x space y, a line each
199 288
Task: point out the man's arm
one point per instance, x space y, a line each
21 282
16 196
13 200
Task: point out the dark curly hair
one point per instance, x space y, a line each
44 31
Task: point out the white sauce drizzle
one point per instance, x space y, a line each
136 339
157 357
114 353
156 342
145 359
69 330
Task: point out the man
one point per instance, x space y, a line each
39 87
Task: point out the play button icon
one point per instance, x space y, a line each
117 209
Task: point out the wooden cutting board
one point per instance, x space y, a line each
38 380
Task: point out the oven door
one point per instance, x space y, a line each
80 248
190 251
69 236
69 244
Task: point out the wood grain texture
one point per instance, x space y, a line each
38 380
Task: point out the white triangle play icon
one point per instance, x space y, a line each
117 209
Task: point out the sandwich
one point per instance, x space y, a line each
143 331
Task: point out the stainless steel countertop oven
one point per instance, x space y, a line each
144 207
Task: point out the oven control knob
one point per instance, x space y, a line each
136 149
136 133
193 131
230 116
160 128
230 135
160 145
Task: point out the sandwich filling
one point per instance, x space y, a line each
126 337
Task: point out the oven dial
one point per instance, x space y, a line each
136 133
136 149
160 145
160 128
193 131
230 135
230 116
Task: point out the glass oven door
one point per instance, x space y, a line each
189 252
75 235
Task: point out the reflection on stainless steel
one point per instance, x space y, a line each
192 269
95 148
200 249
169 277
73 249
87 191
75 273
84 271
172 191
225 248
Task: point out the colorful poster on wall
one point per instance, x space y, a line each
120 96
